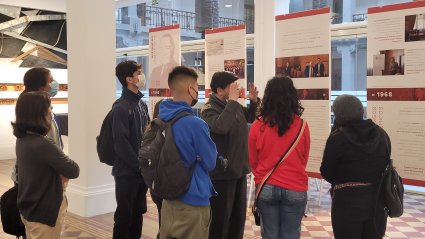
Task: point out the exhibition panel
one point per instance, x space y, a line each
396 85
164 55
225 50
302 53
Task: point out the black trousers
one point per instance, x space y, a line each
358 213
228 209
130 194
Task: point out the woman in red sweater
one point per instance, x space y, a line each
283 199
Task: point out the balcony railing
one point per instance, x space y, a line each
224 22
360 17
336 19
157 17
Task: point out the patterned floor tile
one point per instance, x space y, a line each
317 224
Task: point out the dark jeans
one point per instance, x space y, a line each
228 209
354 215
130 194
281 211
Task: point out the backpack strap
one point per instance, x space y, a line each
178 116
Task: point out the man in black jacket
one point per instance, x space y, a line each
319 68
228 122
129 119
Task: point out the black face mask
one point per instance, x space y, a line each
194 100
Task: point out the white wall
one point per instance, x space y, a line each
7 112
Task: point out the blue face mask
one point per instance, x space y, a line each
54 87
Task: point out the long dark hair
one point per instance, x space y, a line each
280 104
31 111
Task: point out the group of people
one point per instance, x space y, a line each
316 70
42 170
235 66
310 69
223 151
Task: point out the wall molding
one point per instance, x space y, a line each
7 151
91 201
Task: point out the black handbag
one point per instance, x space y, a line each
392 189
294 143
10 216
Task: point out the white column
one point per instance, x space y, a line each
348 65
348 8
91 63
264 44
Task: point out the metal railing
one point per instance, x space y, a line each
360 17
224 22
336 19
157 17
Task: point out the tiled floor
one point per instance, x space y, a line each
316 225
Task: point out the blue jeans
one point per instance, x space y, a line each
281 211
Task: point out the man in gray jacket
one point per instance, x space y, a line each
228 122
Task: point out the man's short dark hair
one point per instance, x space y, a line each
36 78
30 112
180 71
222 79
126 69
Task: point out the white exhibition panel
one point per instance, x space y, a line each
225 47
164 55
303 45
396 83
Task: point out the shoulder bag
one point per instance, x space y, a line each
263 182
392 188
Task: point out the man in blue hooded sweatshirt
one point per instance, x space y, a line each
190 216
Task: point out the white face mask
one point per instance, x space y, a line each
142 81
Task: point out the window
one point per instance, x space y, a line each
343 11
349 64
193 16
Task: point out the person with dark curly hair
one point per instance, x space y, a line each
283 200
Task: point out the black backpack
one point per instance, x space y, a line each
10 216
105 141
162 168
392 188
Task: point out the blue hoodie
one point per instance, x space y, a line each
192 137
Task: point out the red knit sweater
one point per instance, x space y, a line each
266 148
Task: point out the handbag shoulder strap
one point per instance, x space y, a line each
287 152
